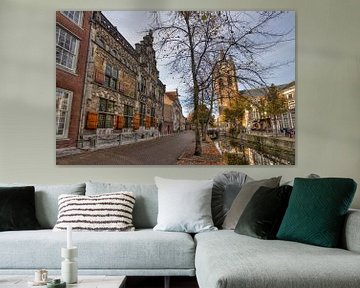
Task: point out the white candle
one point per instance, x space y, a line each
69 239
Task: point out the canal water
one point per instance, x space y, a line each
237 152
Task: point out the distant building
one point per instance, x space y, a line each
255 115
173 116
168 127
226 85
287 120
72 42
259 120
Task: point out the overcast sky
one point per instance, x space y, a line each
133 25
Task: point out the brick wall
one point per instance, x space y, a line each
74 81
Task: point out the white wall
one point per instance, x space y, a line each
328 91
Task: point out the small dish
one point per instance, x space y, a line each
38 283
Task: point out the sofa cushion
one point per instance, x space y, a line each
317 209
17 208
263 215
184 205
146 204
105 212
226 187
243 198
46 200
138 250
225 259
350 239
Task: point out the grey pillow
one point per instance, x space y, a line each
226 187
46 200
184 205
243 198
310 176
146 204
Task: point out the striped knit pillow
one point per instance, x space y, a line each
105 212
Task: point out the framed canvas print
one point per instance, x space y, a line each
175 88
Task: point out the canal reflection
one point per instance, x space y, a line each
235 152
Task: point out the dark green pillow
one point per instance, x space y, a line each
264 212
17 208
316 211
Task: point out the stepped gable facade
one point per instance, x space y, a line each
123 92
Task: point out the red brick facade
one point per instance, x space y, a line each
74 80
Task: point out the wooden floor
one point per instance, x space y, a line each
158 282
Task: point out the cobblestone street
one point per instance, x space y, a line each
161 151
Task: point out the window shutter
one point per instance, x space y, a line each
147 122
99 69
99 77
136 121
92 120
120 122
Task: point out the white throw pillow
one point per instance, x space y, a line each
184 205
105 212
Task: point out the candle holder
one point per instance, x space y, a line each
68 265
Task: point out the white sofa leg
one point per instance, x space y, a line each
167 282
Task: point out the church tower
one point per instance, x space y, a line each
226 86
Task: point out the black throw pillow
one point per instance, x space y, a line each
17 209
263 214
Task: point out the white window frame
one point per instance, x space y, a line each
81 16
60 92
66 51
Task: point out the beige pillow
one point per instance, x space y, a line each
243 198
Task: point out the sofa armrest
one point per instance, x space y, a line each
351 234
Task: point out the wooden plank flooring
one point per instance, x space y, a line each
158 282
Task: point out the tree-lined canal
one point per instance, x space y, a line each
256 150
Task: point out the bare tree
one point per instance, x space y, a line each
191 41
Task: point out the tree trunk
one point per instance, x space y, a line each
204 131
198 148
276 130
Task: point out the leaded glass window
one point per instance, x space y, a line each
106 113
66 49
75 16
152 117
63 109
128 115
111 76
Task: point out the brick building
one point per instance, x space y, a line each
124 96
72 41
168 126
259 120
173 116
